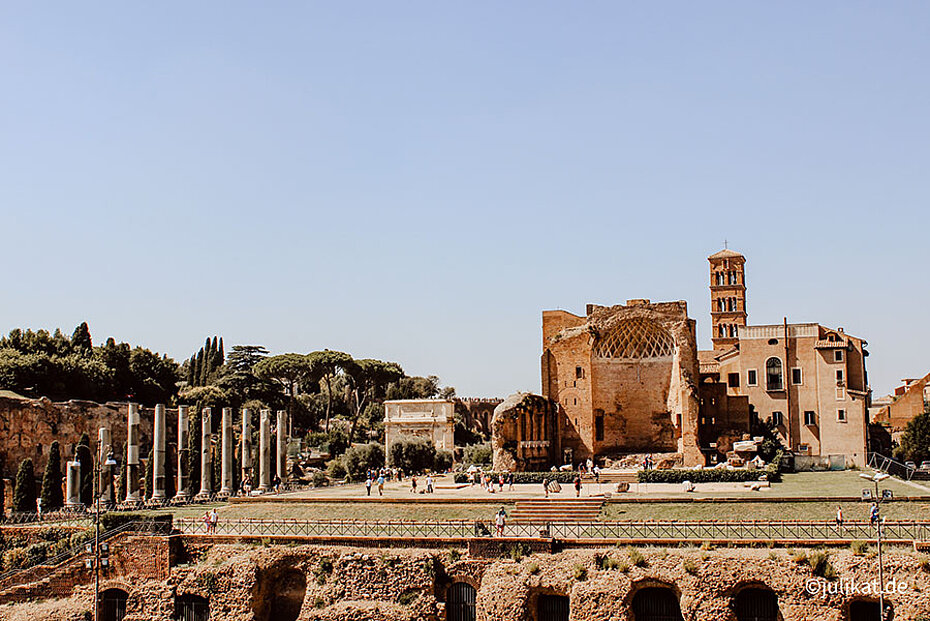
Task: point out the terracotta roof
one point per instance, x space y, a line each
726 253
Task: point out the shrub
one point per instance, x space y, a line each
690 566
336 469
443 461
454 555
413 455
361 458
565 478
14 559
709 475
319 479
923 561
407 597
637 558
580 572
820 565
533 568
518 550
323 570
798 556
478 454
859 548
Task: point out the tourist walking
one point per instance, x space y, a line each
509 481
597 474
380 485
500 482
429 484
368 484
499 522
413 484
213 520
839 515
577 486
873 514
546 486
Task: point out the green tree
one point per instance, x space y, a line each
288 371
915 442
24 492
359 459
80 341
368 380
328 365
52 496
84 457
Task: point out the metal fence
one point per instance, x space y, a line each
762 531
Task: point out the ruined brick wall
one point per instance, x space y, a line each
241 583
625 379
29 426
524 434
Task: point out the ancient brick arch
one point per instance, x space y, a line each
634 339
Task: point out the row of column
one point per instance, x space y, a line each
184 484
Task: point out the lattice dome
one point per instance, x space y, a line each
635 338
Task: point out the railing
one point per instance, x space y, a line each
762 531
877 461
43 568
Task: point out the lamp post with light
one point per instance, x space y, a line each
96 561
876 479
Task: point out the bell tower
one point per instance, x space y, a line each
727 297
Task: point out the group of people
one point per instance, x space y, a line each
487 481
874 515
209 519
429 489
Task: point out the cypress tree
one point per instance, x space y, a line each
220 355
84 457
193 452
205 369
52 496
171 459
80 339
191 370
198 368
24 494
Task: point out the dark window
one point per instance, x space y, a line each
754 604
773 375
656 604
751 379
810 418
113 605
461 604
777 419
552 608
796 376
191 608
733 380
579 373
838 355
839 375
841 416
863 610
599 427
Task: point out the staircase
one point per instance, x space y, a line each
558 510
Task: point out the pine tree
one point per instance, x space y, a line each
52 496
84 457
24 494
80 340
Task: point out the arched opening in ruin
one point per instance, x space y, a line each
191 608
460 603
868 610
288 597
756 604
113 604
656 603
551 607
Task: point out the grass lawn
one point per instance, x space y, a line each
760 511
350 511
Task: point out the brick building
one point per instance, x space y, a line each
624 379
808 379
911 398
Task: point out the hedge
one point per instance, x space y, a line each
711 475
563 477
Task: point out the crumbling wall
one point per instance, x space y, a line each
29 426
523 434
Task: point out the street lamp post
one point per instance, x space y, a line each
98 487
875 479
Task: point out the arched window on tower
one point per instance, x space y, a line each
774 376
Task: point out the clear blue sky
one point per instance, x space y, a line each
417 181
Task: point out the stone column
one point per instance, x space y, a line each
132 454
246 445
184 477
281 449
264 451
158 454
73 485
226 458
206 464
105 484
